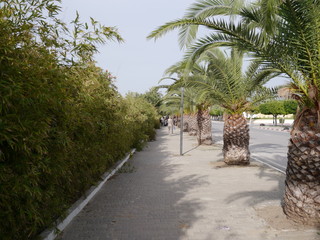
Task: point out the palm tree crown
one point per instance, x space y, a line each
283 34
224 83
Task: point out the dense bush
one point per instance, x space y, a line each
62 121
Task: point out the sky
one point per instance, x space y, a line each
138 64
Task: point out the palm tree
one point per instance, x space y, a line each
198 119
204 124
236 92
283 34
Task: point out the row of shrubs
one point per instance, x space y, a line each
62 123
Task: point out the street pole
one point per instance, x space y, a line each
181 121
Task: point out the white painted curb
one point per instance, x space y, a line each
51 234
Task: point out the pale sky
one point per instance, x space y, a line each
138 63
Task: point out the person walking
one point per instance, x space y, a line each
162 121
170 125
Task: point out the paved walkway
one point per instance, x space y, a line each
162 195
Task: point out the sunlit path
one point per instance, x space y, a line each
162 195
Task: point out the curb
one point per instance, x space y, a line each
274 129
52 233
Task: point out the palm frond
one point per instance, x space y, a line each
170 26
269 12
262 94
206 9
176 68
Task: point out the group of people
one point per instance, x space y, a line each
170 122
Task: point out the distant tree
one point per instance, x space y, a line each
274 108
290 106
197 119
277 107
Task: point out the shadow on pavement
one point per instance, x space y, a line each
271 154
190 150
268 147
146 203
167 196
255 197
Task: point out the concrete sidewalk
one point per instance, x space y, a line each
162 195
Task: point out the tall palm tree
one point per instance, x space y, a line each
235 91
283 34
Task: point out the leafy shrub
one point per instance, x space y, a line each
62 121
142 117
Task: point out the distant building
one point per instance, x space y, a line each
285 93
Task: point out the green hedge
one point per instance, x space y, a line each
62 125
55 143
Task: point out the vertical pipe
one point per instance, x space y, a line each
181 122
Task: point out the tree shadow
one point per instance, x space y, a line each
153 201
270 154
269 147
271 199
255 197
148 203
190 150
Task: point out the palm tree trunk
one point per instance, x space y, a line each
204 133
186 123
302 192
193 128
236 140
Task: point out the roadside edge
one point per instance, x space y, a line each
74 210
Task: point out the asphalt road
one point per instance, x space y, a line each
267 146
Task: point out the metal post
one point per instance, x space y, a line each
181 121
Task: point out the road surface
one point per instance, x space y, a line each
267 146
